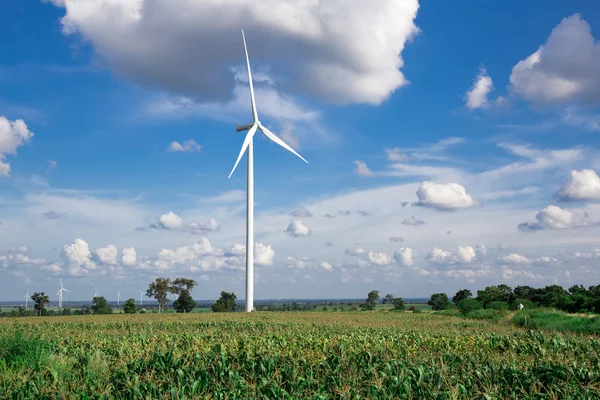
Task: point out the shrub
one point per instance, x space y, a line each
468 305
497 305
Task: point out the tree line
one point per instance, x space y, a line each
575 299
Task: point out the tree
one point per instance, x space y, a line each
461 295
159 289
225 303
181 284
101 306
184 303
388 299
129 307
439 301
372 299
398 303
467 305
40 299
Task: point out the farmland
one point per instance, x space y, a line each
316 355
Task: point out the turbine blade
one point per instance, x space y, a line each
65 290
244 147
280 142
254 113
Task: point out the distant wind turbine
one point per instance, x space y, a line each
141 301
27 298
60 294
251 128
119 297
95 292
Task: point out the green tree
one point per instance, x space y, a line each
399 304
184 303
225 303
461 295
101 306
40 299
159 289
467 305
181 284
129 307
372 299
388 299
439 301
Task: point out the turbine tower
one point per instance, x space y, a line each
251 128
27 298
141 301
119 297
60 294
95 292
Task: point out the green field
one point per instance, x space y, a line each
315 355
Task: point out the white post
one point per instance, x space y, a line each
250 230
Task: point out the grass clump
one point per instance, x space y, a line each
486 314
18 350
549 319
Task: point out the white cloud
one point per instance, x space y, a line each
379 258
13 134
263 254
404 257
164 45
233 196
553 217
107 255
355 252
237 250
173 222
448 196
326 266
395 155
362 169
298 229
564 69
477 96
129 256
515 258
582 185
189 146
460 255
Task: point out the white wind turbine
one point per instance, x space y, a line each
95 292
60 294
27 298
141 301
251 128
119 297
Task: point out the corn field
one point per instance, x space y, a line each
351 355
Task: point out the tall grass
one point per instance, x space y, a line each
550 319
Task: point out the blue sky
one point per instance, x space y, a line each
481 117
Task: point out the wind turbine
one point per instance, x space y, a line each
27 298
119 297
95 292
60 294
141 301
251 128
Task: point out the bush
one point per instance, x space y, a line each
549 319
398 304
527 304
469 305
497 305
489 314
412 308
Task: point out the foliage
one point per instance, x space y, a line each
225 303
40 299
184 303
399 304
371 301
467 305
181 284
548 319
100 306
461 295
497 305
439 301
388 299
159 289
130 306
293 356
